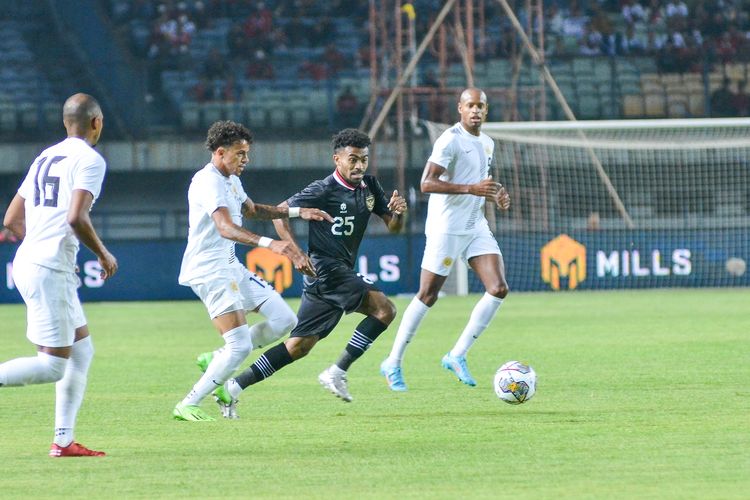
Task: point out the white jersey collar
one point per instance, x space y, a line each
468 134
216 170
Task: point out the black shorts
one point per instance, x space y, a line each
325 299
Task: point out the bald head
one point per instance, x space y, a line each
472 106
472 93
83 117
80 109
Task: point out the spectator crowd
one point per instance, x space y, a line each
680 35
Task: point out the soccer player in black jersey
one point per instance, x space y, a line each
350 197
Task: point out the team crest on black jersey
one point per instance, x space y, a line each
342 208
370 202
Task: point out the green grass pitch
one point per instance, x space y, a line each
641 394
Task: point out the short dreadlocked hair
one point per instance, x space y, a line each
226 133
350 137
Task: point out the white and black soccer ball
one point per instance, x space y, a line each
515 382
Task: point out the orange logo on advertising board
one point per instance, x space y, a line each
563 257
272 267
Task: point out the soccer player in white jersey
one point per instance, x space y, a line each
457 176
217 203
50 213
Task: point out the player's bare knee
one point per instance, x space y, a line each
427 298
296 352
299 347
431 300
500 290
303 351
387 313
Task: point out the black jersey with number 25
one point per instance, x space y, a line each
350 208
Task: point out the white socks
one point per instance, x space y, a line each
413 315
233 388
237 346
280 320
70 375
70 389
41 369
481 316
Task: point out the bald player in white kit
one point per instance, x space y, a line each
50 213
457 176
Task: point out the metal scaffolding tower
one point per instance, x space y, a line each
421 61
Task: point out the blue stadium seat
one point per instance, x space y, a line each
8 118
212 112
256 117
28 114
190 115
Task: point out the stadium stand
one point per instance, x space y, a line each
40 62
297 58
291 79
26 92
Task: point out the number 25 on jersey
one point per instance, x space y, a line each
343 226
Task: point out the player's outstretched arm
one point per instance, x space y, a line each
252 210
283 229
80 222
231 231
301 261
313 214
15 217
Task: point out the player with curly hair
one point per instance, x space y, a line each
350 196
217 203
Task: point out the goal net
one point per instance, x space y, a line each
621 204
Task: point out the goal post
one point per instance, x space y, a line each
672 208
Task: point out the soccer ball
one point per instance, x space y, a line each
515 382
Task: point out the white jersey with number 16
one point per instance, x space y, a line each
47 190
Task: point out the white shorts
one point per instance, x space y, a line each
53 309
233 289
442 250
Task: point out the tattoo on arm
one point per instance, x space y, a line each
268 212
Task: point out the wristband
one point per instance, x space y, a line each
293 212
264 242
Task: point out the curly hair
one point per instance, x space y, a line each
226 133
350 137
